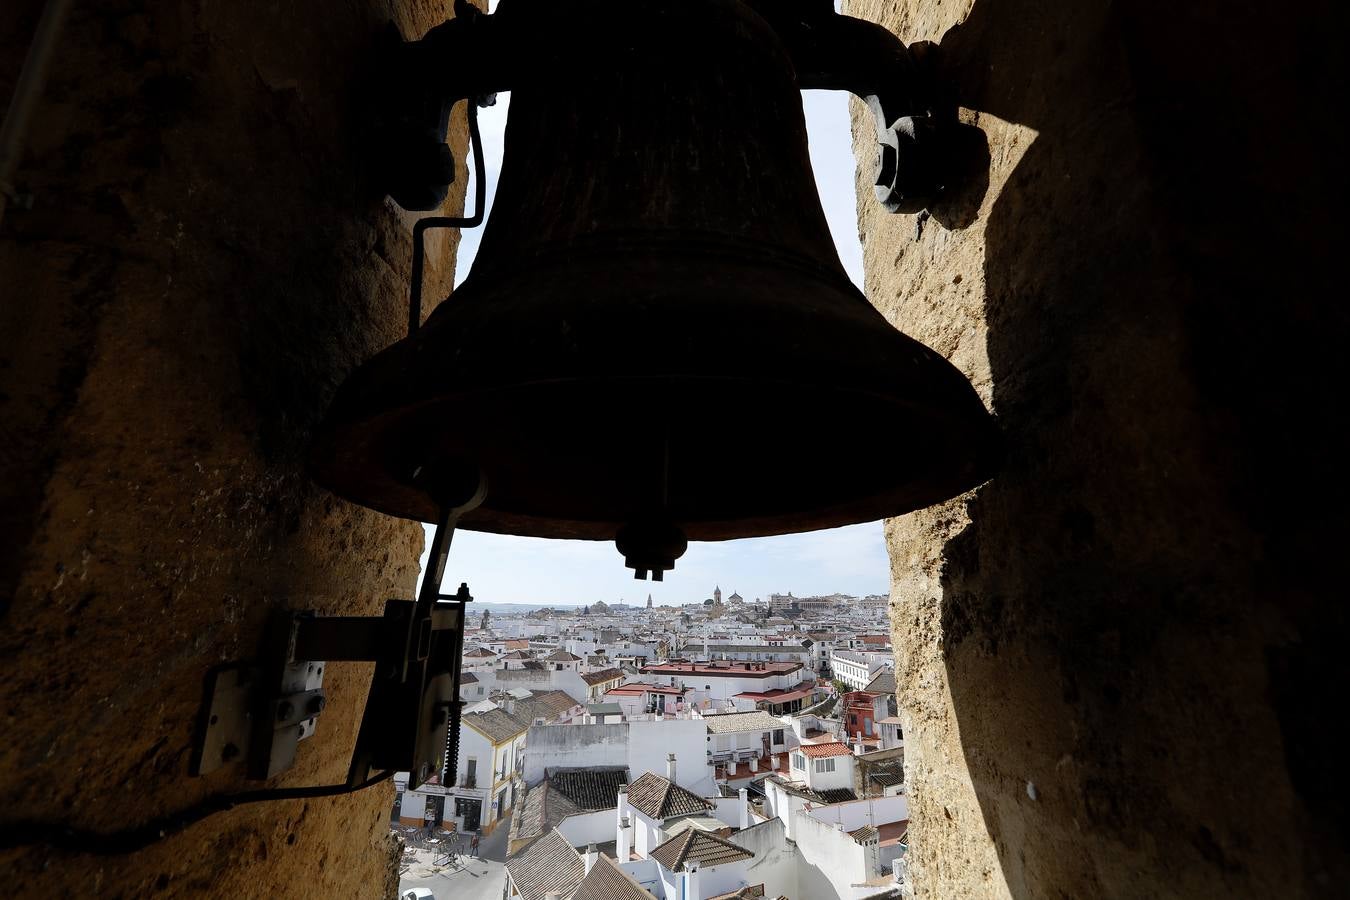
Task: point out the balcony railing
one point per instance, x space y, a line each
469 781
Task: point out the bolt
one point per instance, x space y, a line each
228 752
285 709
315 705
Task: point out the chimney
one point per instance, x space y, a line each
691 880
754 764
592 855
625 833
670 767
745 808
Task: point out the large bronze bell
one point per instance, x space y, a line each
657 340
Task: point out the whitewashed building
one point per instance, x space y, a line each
856 669
490 746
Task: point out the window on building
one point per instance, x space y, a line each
799 761
824 765
778 736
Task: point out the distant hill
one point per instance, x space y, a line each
496 608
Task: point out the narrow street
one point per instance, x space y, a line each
484 878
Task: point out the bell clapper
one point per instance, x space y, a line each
651 546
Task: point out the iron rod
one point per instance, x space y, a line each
421 226
27 91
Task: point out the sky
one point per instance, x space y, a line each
537 571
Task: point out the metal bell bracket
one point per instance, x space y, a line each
475 55
257 712
840 53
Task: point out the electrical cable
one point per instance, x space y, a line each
63 837
27 91
117 843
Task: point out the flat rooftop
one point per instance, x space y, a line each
724 669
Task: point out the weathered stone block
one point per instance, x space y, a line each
1111 657
206 259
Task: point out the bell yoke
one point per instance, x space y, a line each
657 274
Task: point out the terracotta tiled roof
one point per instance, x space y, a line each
756 720
795 647
820 751
566 792
590 789
659 798
799 789
700 847
548 865
544 705
518 654
497 725
836 795
863 834
882 683
478 652
637 688
606 881
594 678
562 656
723 669
542 809
887 777
749 892
780 695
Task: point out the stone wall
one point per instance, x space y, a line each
1115 660
206 258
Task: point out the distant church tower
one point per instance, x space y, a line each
485 620
717 595
649 601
